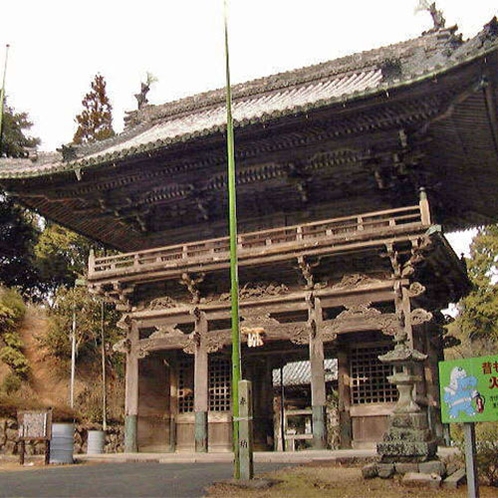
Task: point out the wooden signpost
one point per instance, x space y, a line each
34 425
469 394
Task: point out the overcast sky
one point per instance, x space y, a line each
57 46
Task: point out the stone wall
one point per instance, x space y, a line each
114 441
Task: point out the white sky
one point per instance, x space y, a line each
57 46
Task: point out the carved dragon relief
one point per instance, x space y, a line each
354 280
362 316
166 332
164 302
212 341
256 290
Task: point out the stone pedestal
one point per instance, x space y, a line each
408 438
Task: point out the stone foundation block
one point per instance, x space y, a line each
454 480
432 467
385 470
404 468
370 471
407 451
409 420
418 480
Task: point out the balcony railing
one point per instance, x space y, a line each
340 231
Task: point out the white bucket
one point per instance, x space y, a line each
62 443
95 442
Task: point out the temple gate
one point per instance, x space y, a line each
346 173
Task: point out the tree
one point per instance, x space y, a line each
18 236
18 229
95 121
61 256
15 142
477 321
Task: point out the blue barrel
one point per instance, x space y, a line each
95 442
62 443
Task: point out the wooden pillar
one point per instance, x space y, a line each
345 432
201 381
131 392
259 372
425 212
318 395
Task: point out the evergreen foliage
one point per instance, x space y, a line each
95 121
18 235
477 321
61 255
14 141
18 230
12 310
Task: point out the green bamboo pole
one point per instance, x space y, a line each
234 280
2 96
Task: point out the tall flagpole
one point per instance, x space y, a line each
234 279
2 95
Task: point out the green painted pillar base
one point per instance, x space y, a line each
201 432
131 434
319 427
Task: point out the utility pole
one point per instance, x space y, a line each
2 95
73 357
104 394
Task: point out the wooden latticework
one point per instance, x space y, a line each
219 385
368 375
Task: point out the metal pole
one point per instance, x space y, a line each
282 408
73 357
234 284
2 96
104 394
470 461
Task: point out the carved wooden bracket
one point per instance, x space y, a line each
191 284
419 316
416 289
305 265
122 346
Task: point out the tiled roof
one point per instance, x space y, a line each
291 93
298 373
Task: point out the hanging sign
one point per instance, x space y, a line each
469 389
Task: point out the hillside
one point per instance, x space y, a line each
49 381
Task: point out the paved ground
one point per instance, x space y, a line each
139 479
146 474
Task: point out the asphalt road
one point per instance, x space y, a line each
147 479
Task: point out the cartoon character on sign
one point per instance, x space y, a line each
461 394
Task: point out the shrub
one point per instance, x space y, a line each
12 310
486 450
11 384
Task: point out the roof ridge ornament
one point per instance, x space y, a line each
437 15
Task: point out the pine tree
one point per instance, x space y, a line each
95 121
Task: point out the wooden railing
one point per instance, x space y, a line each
217 250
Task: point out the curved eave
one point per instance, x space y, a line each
103 158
